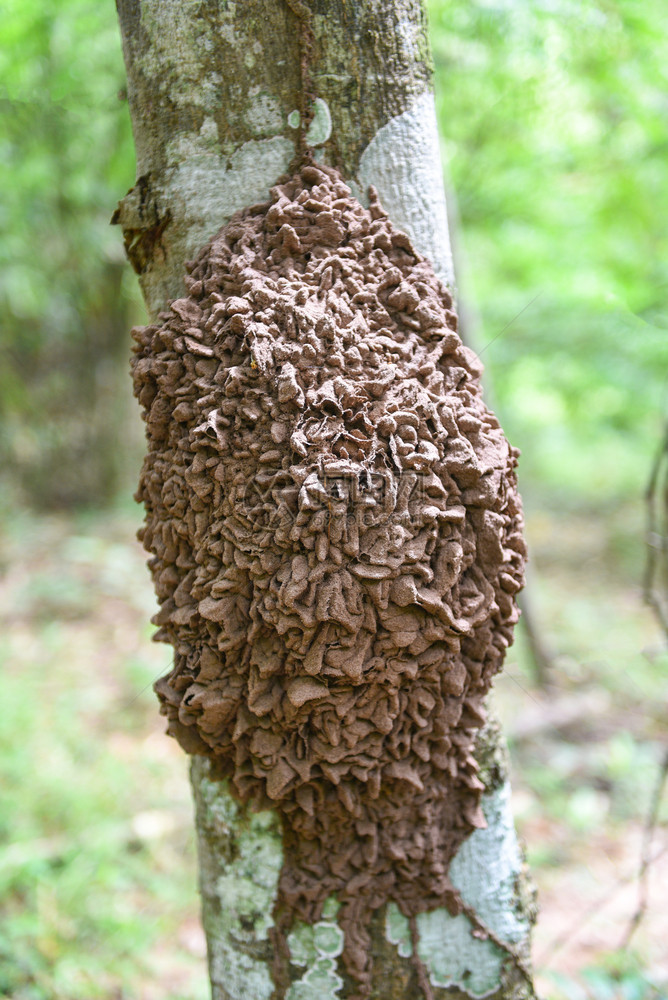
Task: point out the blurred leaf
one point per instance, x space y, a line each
555 124
65 157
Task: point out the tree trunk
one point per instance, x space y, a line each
217 93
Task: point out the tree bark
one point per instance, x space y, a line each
219 94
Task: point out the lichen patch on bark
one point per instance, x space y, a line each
240 862
317 946
336 539
485 870
320 128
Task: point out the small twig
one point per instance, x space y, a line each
509 323
514 679
574 928
127 704
543 660
656 568
645 858
655 586
483 931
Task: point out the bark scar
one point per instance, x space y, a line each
144 224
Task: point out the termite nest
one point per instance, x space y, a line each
337 545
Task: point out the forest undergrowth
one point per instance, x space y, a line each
97 859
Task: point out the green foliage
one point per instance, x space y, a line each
65 157
555 124
555 129
97 868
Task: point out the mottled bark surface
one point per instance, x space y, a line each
213 86
240 857
214 90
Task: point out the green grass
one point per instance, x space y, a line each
97 865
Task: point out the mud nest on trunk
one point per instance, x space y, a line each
337 545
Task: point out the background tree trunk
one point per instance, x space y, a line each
217 91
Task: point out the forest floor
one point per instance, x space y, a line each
97 858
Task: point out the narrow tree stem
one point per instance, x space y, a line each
219 102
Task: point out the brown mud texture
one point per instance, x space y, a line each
337 545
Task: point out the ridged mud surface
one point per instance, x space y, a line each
336 539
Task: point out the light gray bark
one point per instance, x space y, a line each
215 92
213 85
